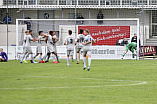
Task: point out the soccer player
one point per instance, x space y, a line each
55 39
87 49
50 46
3 56
79 41
39 47
26 46
131 46
70 43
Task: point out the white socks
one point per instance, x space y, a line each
89 62
54 59
67 60
77 56
32 57
26 56
40 58
23 56
84 61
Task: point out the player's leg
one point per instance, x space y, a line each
89 59
68 53
48 57
23 56
56 57
133 54
27 55
127 48
84 59
36 55
1 59
78 50
71 55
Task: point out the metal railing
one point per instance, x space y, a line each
80 2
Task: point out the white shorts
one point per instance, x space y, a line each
78 49
87 52
27 50
49 49
70 52
39 49
54 49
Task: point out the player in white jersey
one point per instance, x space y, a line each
50 46
39 47
79 41
27 49
54 47
70 43
87 49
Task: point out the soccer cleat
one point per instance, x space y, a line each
24 61
58 61
46 61
68 65
78 62
122 58
31 61
42 61
55 62
88 69
84 68
21 62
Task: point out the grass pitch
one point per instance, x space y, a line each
108 82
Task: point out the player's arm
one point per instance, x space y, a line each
88 41
93 41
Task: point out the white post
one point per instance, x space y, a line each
57 2
138 37
120 2
99 2
16 2
77 2
147 2
36 2
17 38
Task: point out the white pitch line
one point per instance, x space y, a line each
70 87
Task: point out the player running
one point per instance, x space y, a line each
26 46
131 46
70 43
79 41
87 49
39 47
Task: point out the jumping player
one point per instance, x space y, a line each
87 49
131 46
70 43
79 41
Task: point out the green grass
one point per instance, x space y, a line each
108 82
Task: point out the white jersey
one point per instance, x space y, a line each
89 45
24 41
40 39
54 40
70 42
81 39
49 41
27 40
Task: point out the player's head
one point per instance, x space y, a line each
54 33
30 32
81 31
70 32
86 32
41 33
27 32
51 32
135 35
1 49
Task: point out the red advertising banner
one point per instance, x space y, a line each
107 35
147 50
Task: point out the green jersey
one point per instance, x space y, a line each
131 46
